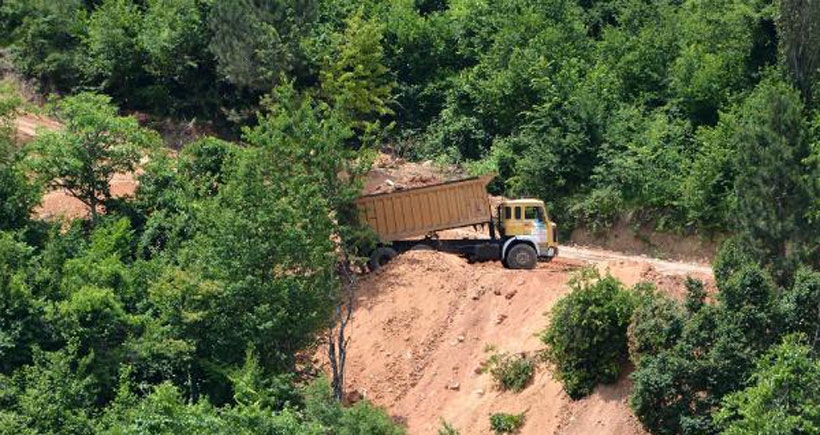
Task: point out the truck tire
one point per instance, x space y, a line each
380 257
522 256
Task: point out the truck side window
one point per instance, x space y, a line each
530 213
507 212
518 212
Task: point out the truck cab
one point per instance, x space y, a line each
525 221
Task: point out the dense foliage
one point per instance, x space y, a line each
180 309
783 396
690 115
704 368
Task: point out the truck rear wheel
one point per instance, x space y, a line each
522 256
380 257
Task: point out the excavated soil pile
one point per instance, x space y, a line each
390 174
420 335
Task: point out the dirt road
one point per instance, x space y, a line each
600 256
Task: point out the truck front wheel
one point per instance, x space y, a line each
521 256
380 257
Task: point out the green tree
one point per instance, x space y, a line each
772 188
95 145
256 41
354 78
783 396
677 389
17 194
800 43
22 324
115 58
46 43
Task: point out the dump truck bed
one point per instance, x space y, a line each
422 210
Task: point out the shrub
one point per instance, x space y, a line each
447 429
511 372
501 422
586 337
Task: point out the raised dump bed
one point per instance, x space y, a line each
424 210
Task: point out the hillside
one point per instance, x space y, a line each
419 333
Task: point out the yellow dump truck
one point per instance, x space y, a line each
520 231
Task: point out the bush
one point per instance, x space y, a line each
501 422
587 334
447 429
512 373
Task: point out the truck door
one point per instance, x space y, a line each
537 225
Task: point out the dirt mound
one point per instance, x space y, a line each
391 173
420 335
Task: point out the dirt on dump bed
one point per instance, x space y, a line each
421 331
390 174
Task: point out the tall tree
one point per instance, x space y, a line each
773 190
115 58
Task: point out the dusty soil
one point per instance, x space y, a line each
390 174
625 237
423 324
28 124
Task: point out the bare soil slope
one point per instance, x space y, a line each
420 333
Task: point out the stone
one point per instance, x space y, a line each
453 385
510 294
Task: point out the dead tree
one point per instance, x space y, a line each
337 340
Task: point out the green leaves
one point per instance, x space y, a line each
95 145
353 77
587 334
782 397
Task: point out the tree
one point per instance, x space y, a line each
116 59
677 389
354 78
772 189
255 42
783 397
95 145
799 37
17 194
47 41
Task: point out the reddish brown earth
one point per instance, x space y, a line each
422 326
